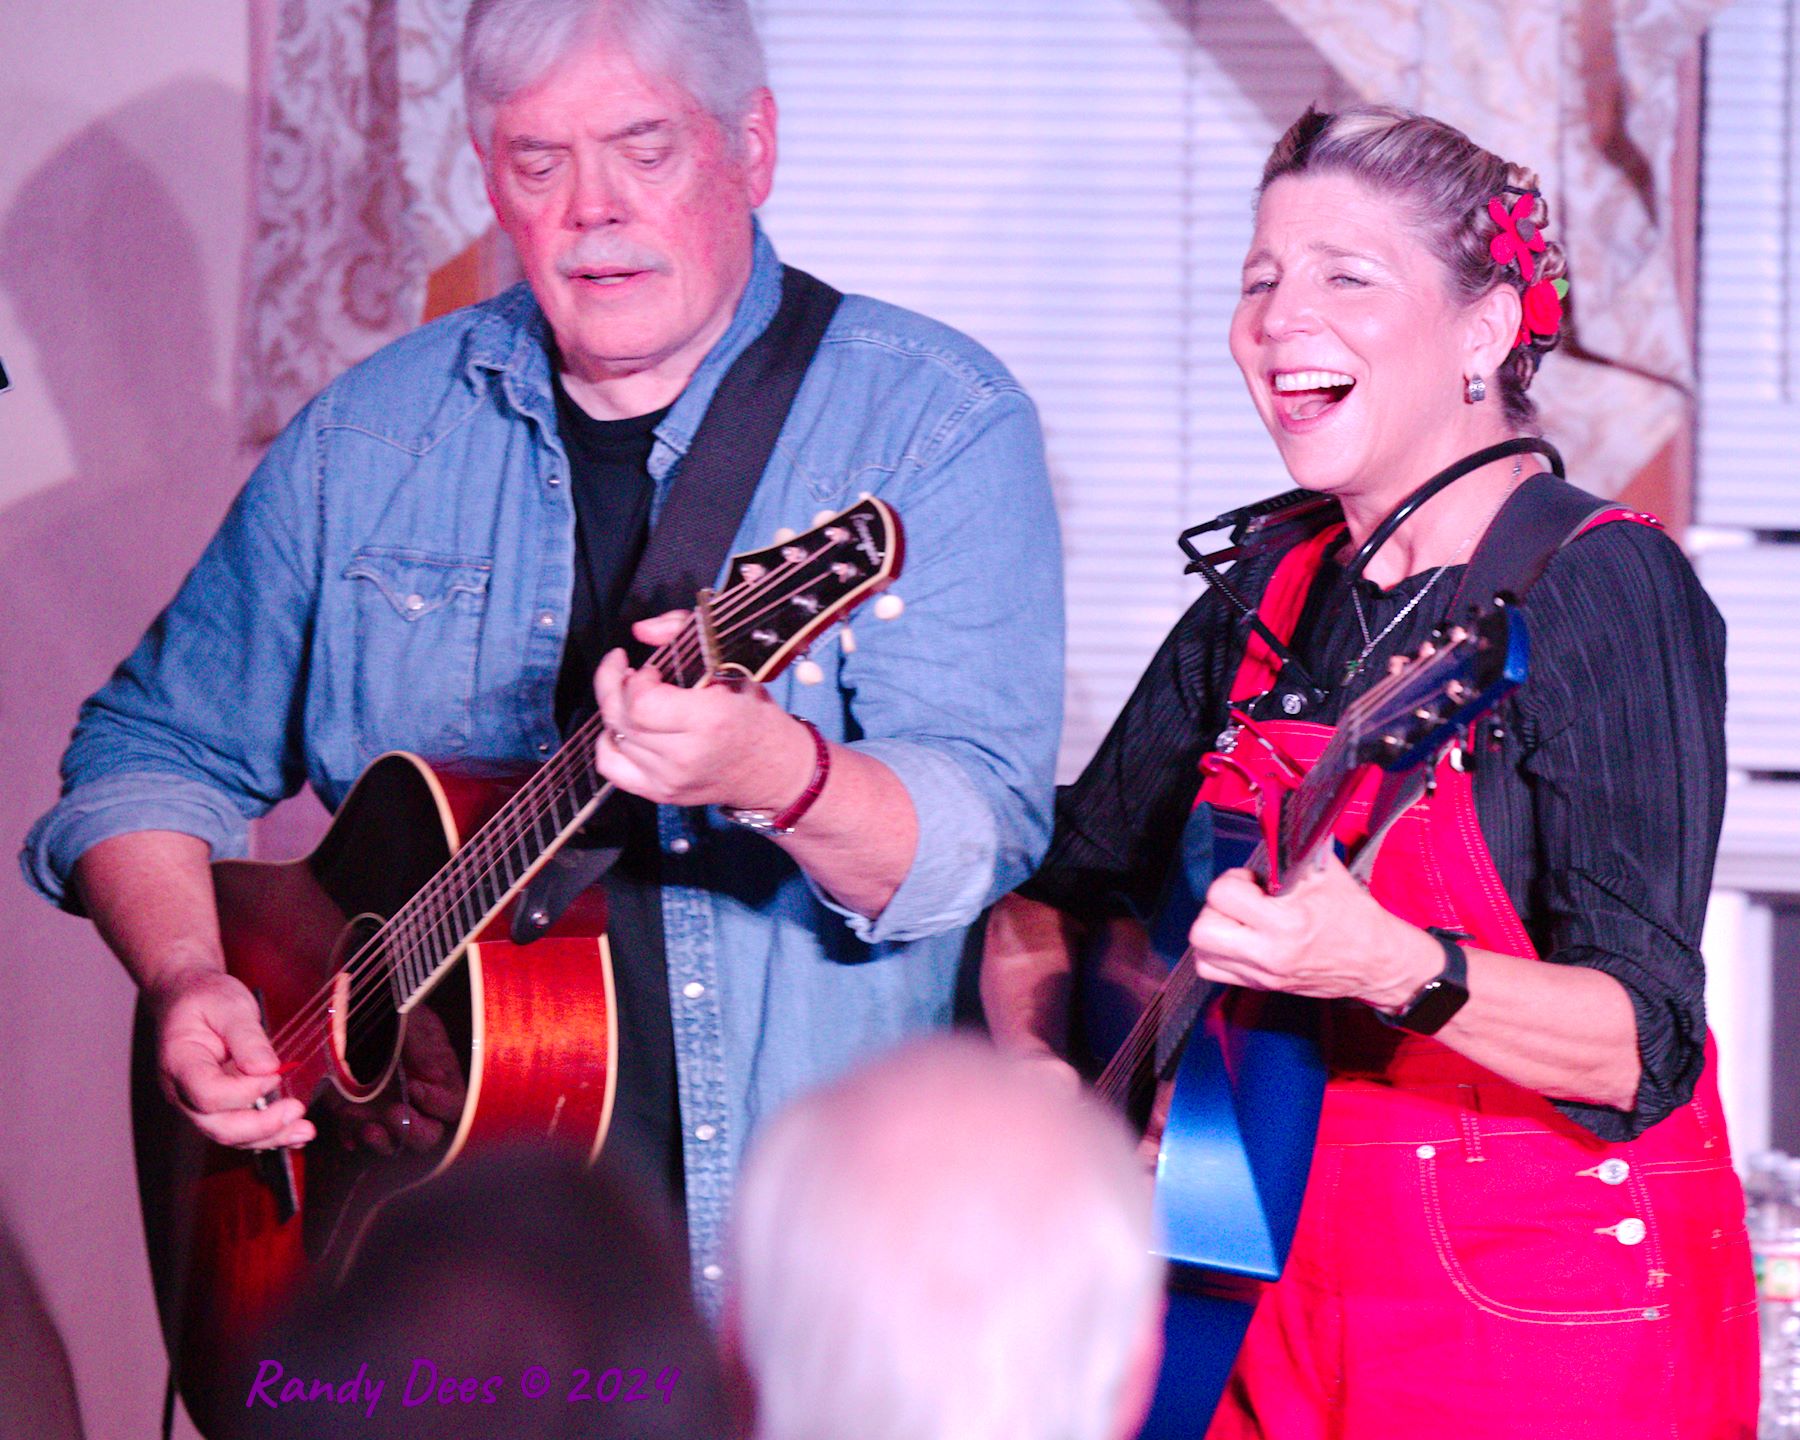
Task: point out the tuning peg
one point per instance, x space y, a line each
783 535
822 517
847 640
807 672
888 607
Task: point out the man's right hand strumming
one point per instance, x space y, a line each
150 893
215 1062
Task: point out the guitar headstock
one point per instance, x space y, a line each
1458 676
778 600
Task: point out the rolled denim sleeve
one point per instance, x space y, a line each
961 697
198 730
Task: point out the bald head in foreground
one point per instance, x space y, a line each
946 1245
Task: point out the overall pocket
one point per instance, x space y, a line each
1542 1229
418 631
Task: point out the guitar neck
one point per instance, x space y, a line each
433 928
779 600
1306 823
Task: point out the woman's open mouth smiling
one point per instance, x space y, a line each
1305 397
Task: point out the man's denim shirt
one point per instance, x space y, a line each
397 573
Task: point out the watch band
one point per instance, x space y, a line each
1441 997
782 822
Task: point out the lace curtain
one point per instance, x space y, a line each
364 183
1586 93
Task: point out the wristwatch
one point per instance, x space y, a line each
782 822
1438 999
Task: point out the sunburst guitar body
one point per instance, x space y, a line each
382 963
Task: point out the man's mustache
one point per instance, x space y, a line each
587 258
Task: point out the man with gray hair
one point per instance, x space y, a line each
947 1245
436 556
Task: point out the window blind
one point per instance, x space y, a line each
1070 183
1749 452
1748 464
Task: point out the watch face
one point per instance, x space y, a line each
1428 1014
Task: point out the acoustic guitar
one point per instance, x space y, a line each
1248 1078
383 958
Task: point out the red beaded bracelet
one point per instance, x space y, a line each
784 822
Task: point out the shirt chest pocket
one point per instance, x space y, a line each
418 633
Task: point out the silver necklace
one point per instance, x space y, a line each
1353 668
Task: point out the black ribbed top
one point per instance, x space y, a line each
1601 806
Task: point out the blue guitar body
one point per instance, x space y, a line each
1249 1078
1236 1149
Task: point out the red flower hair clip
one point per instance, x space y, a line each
1512 243
1541 310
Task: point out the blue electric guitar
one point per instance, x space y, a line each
1248 1079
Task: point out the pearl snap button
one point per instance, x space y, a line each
680 845
1613 1172
1629 1231
693 990
712 1272
1426 1152
415 602
705 1132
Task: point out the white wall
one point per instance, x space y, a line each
122 196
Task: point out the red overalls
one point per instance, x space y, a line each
1471 1264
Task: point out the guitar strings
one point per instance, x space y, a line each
405 930
406 933
1122 1071
401 940
404 940
573 755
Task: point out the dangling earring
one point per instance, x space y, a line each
1475 389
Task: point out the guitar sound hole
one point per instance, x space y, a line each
365 1024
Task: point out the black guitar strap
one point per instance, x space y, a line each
1540 517
692 538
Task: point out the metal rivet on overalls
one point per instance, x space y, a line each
1426 1152
1613 1172
1629 1231
1291 704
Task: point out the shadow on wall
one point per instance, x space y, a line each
101 261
